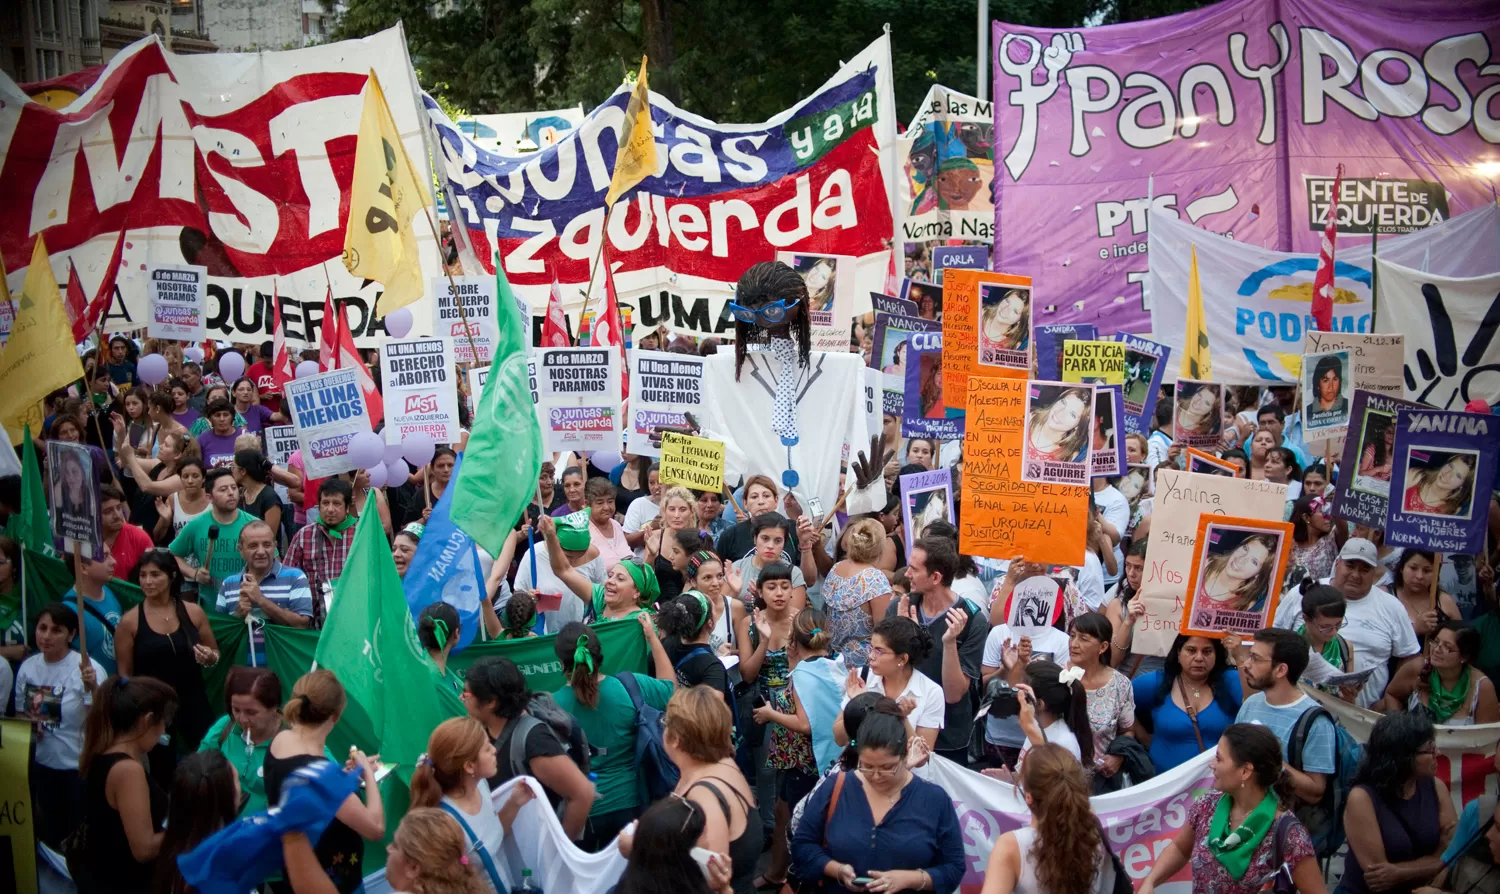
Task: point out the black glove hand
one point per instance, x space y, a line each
691 428
865 471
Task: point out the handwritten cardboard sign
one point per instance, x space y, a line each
1181 499
692 462
961 333
1004 517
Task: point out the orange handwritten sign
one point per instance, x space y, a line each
961 332
1004 517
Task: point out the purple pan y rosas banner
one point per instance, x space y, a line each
1240 113
1441 477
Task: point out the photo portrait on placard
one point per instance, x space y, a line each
1140 371
926 497
928 297
1439 482
1376 452
75 493
1326 389
1236 575
1135 486
930 376
1198 418
1207 464
820 273
1057 433
1004 325
1107 450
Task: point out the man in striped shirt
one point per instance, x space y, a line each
266 590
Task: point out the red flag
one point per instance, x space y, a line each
281 359
77 305
609 328
348 356
328 340
1322 297
106 291
555 328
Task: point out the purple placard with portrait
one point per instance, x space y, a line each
923 413
1145 364
1363 489
1107 455
1441 477
890 304
889 354
1047 358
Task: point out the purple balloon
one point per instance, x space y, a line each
231 365
376 474
152 368
393 453
366 450
307 368
396 472
398 323
606 460
193 353
418 448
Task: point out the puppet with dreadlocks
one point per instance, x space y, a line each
783 410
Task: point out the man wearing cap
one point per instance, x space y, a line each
573 535
1375 622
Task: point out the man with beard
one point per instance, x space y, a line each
1276 661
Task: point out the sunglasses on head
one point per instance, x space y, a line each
770 314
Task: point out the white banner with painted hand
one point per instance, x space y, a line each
1452 355
1258 301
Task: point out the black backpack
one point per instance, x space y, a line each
658 775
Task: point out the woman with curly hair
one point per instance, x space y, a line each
1045 857
429 854
1442 490
1006 323
1398 816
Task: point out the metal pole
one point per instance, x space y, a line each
982 60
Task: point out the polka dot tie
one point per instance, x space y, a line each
784 407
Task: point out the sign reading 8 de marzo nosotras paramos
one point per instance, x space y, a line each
579 392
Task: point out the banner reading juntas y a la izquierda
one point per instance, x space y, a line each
240 164
813 179
663 388
1240 113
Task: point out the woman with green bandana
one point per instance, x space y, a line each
603 707
629 589
438 628
1449 689
1232 831
12 629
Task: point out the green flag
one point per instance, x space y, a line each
504 455
31 527
369 642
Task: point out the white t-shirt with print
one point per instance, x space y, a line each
1116 510
1047 642
55 691
928 695
1378 628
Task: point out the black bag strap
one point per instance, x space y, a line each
1299 734
88 606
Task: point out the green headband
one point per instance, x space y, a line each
581 653
645 581
573 531
705 611
440 631
957 163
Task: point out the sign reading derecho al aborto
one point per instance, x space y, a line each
281 443
421 392
327 410
1441 477
178 294
1181 498
479 305
579 392
663 388
692 462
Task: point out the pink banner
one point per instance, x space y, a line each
1234 118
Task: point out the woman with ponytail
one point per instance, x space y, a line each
438 629
1047 856
1053 709
123 806
518 619
602 706
313 711
454 776
1235 832
428 855
252 472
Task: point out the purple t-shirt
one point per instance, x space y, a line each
187 417
218 450
256 417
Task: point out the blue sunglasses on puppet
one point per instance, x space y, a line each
772 314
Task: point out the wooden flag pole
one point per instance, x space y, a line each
83 637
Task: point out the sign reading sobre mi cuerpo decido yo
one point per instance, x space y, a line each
468 299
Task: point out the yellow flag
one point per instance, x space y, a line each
380 242
636 159
1195 360
40 356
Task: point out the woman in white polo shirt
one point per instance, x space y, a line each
897 646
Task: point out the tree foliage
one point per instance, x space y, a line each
729 61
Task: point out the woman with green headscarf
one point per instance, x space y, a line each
603 708
629 588
1233 831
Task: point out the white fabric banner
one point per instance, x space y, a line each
1257 301
1449 322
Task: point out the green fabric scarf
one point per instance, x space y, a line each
1331 652
337 531
1444 703
1234 848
